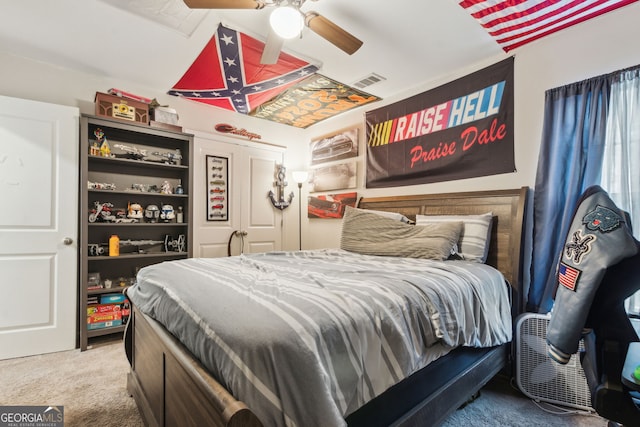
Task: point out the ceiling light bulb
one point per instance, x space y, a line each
286 21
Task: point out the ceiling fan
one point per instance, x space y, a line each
287 21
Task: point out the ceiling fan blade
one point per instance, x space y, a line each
224 4
272 48
332 33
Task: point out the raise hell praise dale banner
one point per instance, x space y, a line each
463 129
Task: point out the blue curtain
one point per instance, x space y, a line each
570 160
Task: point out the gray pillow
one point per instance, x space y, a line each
393 215
475 236
371 234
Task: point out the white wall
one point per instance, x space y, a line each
599 46
595 47
29 79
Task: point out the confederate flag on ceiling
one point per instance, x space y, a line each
513 23
228 73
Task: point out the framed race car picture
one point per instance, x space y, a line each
333 147
330 205
336 176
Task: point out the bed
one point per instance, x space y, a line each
173 387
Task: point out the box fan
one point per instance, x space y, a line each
538 376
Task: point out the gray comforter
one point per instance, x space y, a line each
305 338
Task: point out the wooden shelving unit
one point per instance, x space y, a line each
136 181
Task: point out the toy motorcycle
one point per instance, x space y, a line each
101 212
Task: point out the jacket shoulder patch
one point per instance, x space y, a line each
568 276
603 219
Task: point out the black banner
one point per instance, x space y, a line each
463 129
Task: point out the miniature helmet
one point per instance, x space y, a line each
134 211
151 213
167 213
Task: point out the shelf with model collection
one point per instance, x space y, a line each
135 203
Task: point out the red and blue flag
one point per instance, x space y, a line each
228 73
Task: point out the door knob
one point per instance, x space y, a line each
67 241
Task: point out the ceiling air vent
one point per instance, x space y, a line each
368 80
172 14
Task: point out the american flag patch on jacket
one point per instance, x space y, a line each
568 276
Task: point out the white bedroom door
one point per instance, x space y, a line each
251 171
38 227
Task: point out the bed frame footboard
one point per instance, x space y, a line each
170 387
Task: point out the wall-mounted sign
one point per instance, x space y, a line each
225 128
463 129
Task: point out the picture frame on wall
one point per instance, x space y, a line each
336 176
330 205
217 175
337 146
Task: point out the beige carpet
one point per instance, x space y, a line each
91 385
502 405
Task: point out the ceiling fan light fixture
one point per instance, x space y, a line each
286 21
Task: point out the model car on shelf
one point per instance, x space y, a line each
171 158
130 152
100 186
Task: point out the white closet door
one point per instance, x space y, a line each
260 220
38 227
251 173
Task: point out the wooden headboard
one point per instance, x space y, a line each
507 233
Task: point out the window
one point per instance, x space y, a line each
620 172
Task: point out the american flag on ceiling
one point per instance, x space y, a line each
228 73
514 23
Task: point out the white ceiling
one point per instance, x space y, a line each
409 42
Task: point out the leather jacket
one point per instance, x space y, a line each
599 237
